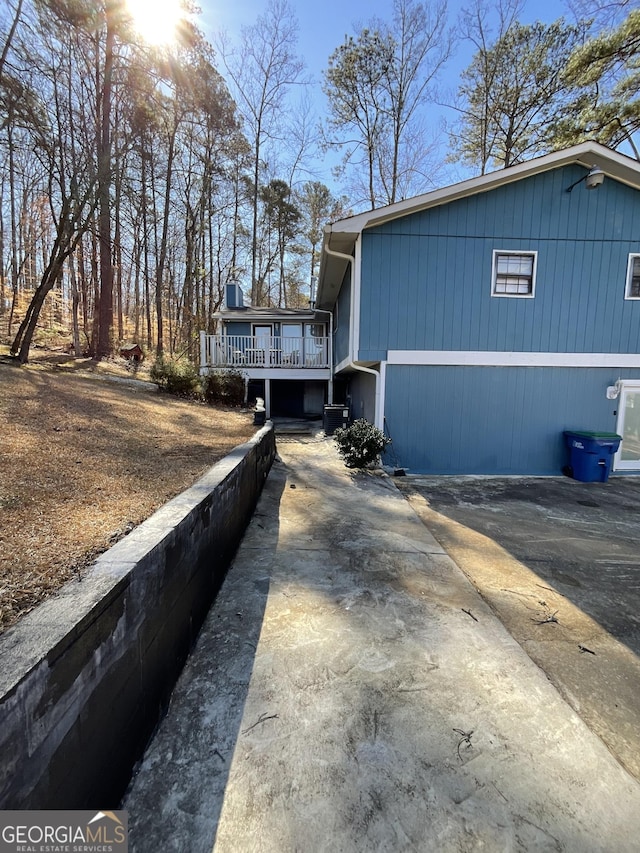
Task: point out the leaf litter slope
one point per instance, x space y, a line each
82 462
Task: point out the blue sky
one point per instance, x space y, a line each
323 26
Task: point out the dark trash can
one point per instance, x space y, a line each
591 454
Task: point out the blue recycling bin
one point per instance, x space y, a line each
591 454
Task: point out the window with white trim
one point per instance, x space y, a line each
633 278
514 274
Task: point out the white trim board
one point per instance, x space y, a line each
619 166
300 373
470 358
620 464
344 364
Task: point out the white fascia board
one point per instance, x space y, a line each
342 234
344 364
587 154
264 316
300 373
467 358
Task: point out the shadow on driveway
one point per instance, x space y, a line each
559 563
372 702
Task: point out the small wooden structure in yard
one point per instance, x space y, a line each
132 352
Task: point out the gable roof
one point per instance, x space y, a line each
341 236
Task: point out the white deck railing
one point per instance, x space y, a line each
242 351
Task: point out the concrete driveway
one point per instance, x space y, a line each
351 691
558 561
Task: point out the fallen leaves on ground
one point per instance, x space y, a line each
83 460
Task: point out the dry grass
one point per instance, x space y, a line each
83 461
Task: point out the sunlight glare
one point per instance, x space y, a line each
156 20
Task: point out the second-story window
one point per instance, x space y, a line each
633 278
514 274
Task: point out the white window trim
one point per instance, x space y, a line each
627 286
620 464
497 252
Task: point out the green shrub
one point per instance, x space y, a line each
225 387
179 376
360 444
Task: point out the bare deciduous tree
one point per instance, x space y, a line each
379 86
261 72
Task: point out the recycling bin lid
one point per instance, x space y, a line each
597 436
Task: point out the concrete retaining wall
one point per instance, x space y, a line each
86 676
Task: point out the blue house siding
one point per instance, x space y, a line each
342 320
426 277
238 328
362 393
488 420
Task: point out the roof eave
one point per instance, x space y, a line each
342 235
276 314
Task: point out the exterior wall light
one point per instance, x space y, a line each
592 179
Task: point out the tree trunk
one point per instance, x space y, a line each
22 342
84 290
255 292
162 260
95 283
63 246
118 271
9 39
105 308
14 227
137 252
145 244
75 305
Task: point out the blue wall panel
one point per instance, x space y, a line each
341 320
362 392
488 420
238 327
426 278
